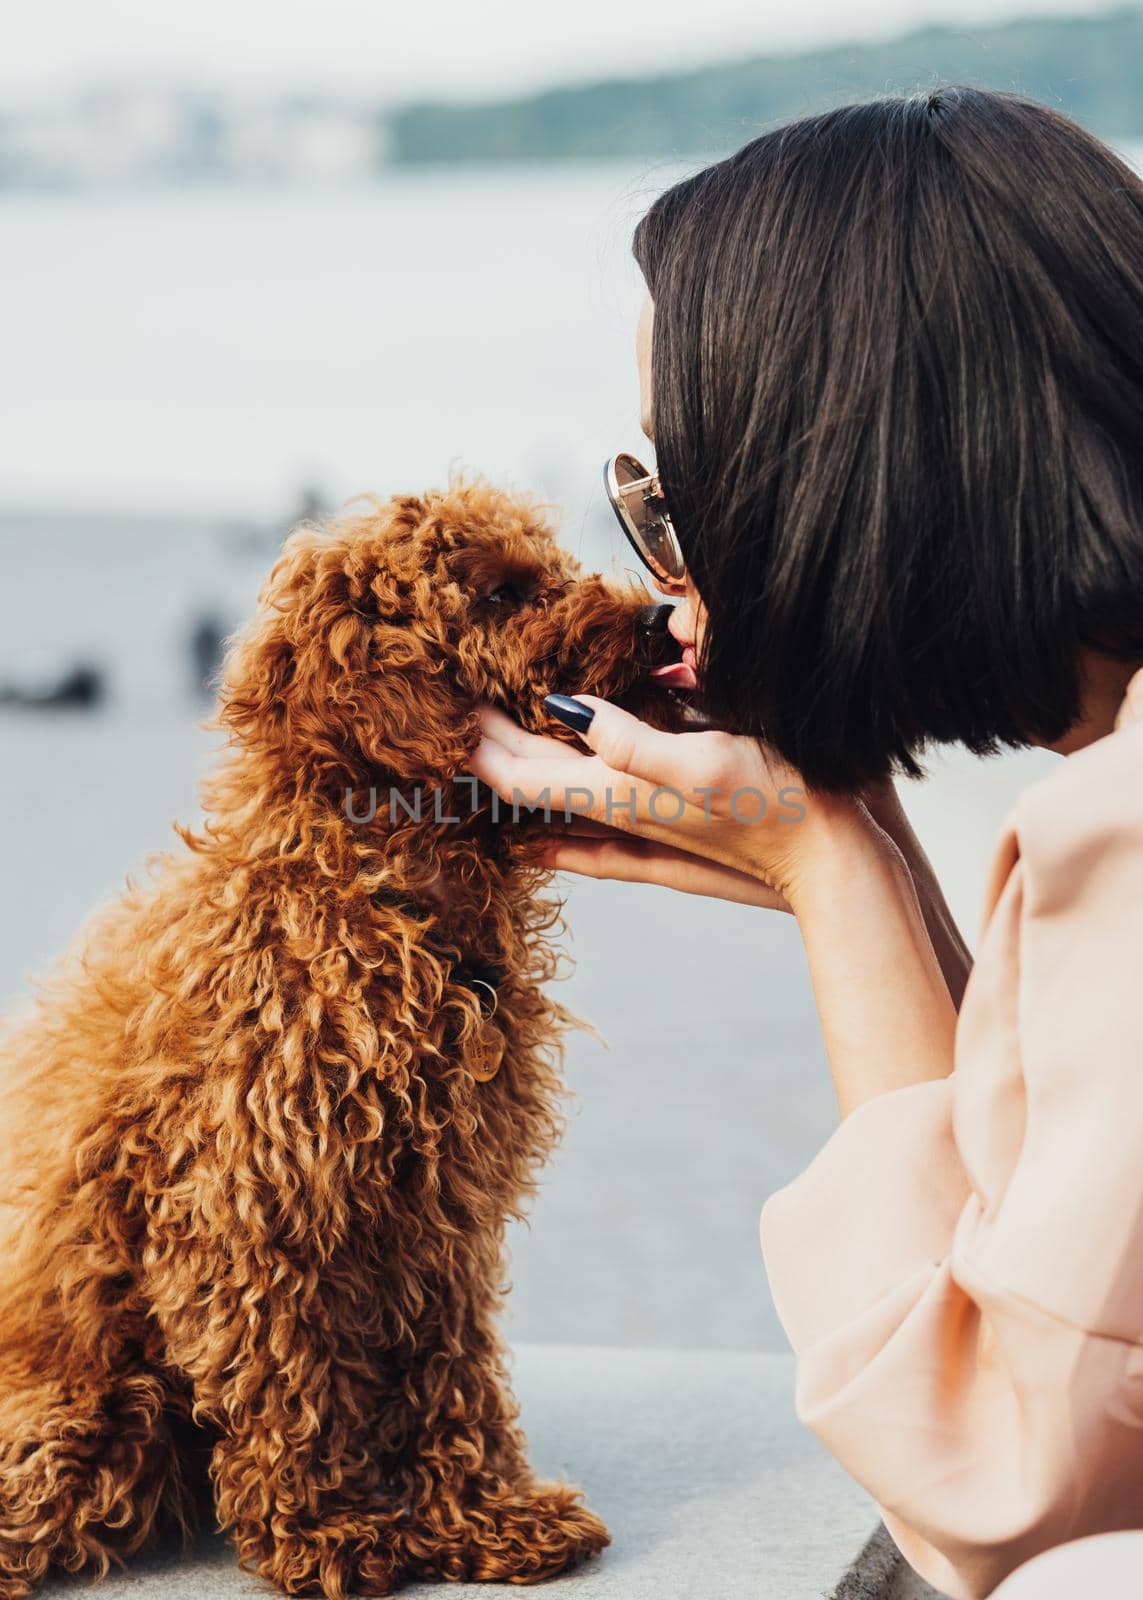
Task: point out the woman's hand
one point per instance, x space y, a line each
886 1010
510 759
708 813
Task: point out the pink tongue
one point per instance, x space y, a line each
676 675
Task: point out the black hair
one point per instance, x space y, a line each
897 407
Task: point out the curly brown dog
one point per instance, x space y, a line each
263 1126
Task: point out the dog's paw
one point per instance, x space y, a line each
377 1572
335 1564
516 1535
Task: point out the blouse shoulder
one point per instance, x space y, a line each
1048 1056
1078 826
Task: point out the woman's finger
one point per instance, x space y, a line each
555 779
630 746
698 764
623 859
587 827
615 784
618 858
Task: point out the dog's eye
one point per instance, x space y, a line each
506 594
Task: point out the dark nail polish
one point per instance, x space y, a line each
572 713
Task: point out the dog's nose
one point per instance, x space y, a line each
653 619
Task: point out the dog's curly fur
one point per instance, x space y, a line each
254 1192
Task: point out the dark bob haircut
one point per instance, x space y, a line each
897 405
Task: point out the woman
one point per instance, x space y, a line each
891 358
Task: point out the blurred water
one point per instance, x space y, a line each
176 367
209 349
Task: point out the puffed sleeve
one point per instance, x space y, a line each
960 1268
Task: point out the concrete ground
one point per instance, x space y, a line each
711 1488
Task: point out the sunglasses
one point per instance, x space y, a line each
638 501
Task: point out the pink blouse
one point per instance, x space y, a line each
960 1268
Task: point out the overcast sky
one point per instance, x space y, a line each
400 49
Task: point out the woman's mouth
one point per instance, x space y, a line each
678 674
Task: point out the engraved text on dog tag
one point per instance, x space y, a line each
486 1052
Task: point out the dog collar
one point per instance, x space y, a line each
482 977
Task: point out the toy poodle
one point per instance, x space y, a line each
262 1126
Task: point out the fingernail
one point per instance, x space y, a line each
572 713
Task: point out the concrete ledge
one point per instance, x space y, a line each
882 1573
711 1487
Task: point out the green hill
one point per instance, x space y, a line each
1087 66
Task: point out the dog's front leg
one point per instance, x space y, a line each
476 1509
288 1390
255 1281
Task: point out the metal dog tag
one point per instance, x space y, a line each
486 1053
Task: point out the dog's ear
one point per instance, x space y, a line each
335 675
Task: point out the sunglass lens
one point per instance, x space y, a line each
662 551
644 519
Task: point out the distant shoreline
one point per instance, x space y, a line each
146 137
